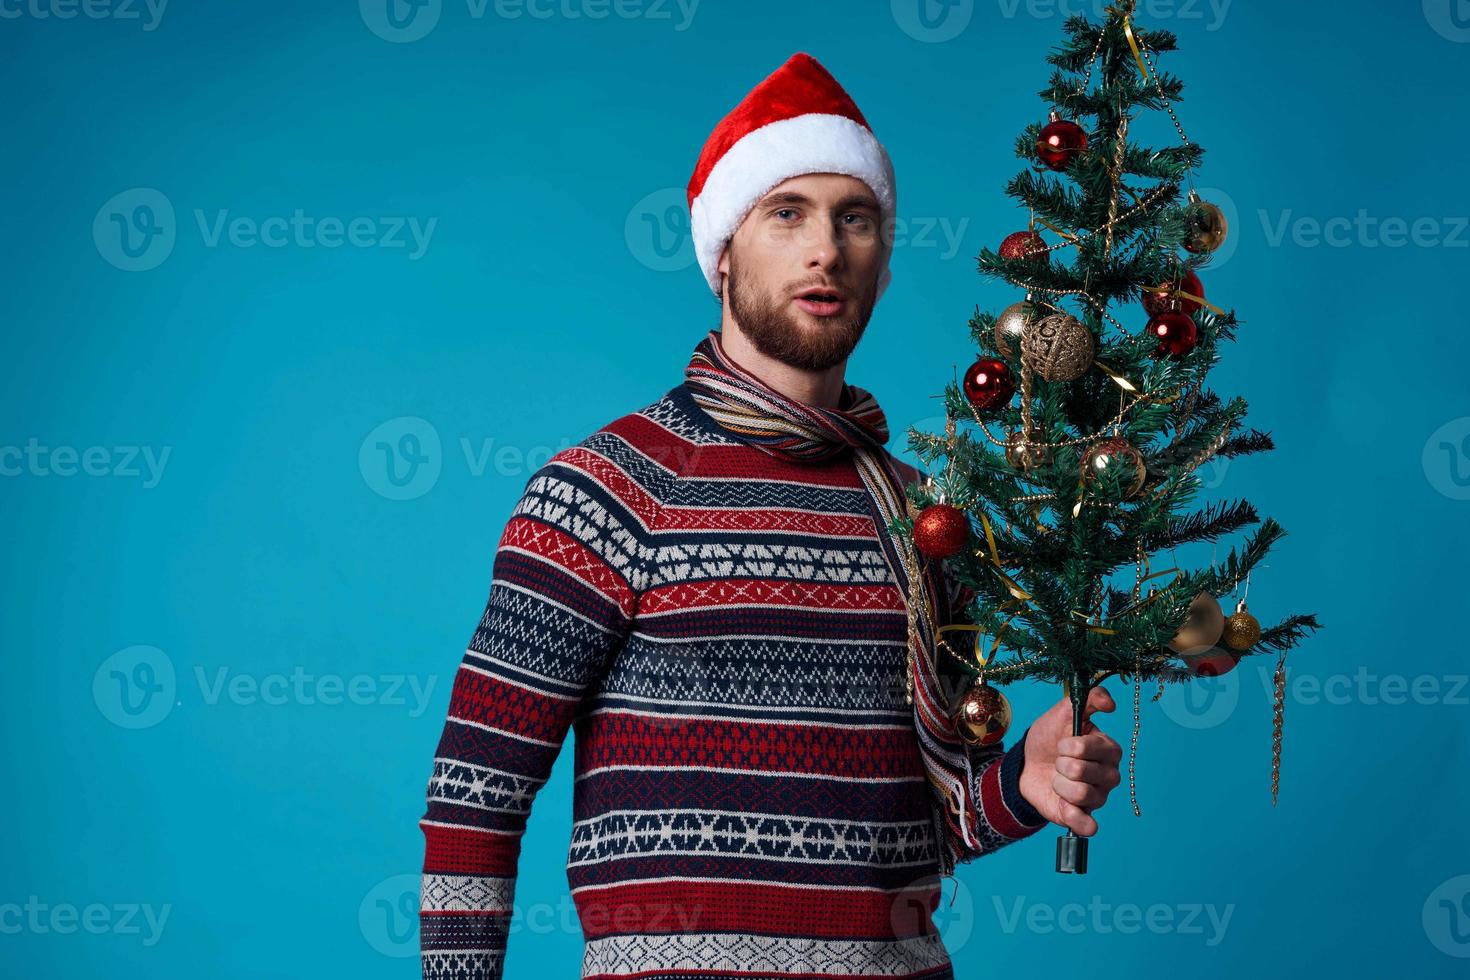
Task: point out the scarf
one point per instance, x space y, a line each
791 430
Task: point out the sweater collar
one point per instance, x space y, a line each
761 416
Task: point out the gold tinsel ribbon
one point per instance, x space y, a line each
1133 43
1182 294
1019 600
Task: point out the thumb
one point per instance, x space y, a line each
1099 699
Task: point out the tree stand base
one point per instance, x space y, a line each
1072 854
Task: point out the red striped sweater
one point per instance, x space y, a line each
720 630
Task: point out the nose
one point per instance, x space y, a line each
825 249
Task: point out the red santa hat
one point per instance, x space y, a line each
798 121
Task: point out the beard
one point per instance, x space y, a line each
773 329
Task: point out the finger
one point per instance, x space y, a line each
1099 699
1101 774
1094 746
1077 820
1084 795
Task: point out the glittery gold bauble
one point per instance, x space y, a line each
1010 326
1027 454
1205 225
1118 452
1242 630
983 715
1058 347
1202 627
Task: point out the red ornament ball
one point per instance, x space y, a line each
941 530
989 383
1161 301
1023 245
1213 662
1060 140
1176 333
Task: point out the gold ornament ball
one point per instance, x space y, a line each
1010 326
1058 347
983 716
1202 626
1205 225
1242 630
1026 453
1115 452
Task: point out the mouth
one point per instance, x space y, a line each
821 301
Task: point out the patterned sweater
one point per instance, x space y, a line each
722 633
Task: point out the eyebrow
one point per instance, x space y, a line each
792 197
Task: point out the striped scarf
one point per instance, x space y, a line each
792 430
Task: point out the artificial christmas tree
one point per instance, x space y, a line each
1071 445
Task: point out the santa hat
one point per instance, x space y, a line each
797 121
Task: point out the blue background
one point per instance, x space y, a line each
557 291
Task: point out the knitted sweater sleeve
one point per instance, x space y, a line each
562 597
1004 816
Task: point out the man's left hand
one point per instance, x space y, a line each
1068 776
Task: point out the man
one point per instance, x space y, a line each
704 590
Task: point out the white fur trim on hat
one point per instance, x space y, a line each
812 143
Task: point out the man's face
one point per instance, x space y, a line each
810 235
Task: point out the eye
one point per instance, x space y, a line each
781 211
862 218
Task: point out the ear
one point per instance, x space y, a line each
723 268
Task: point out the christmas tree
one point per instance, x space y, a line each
1067 465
